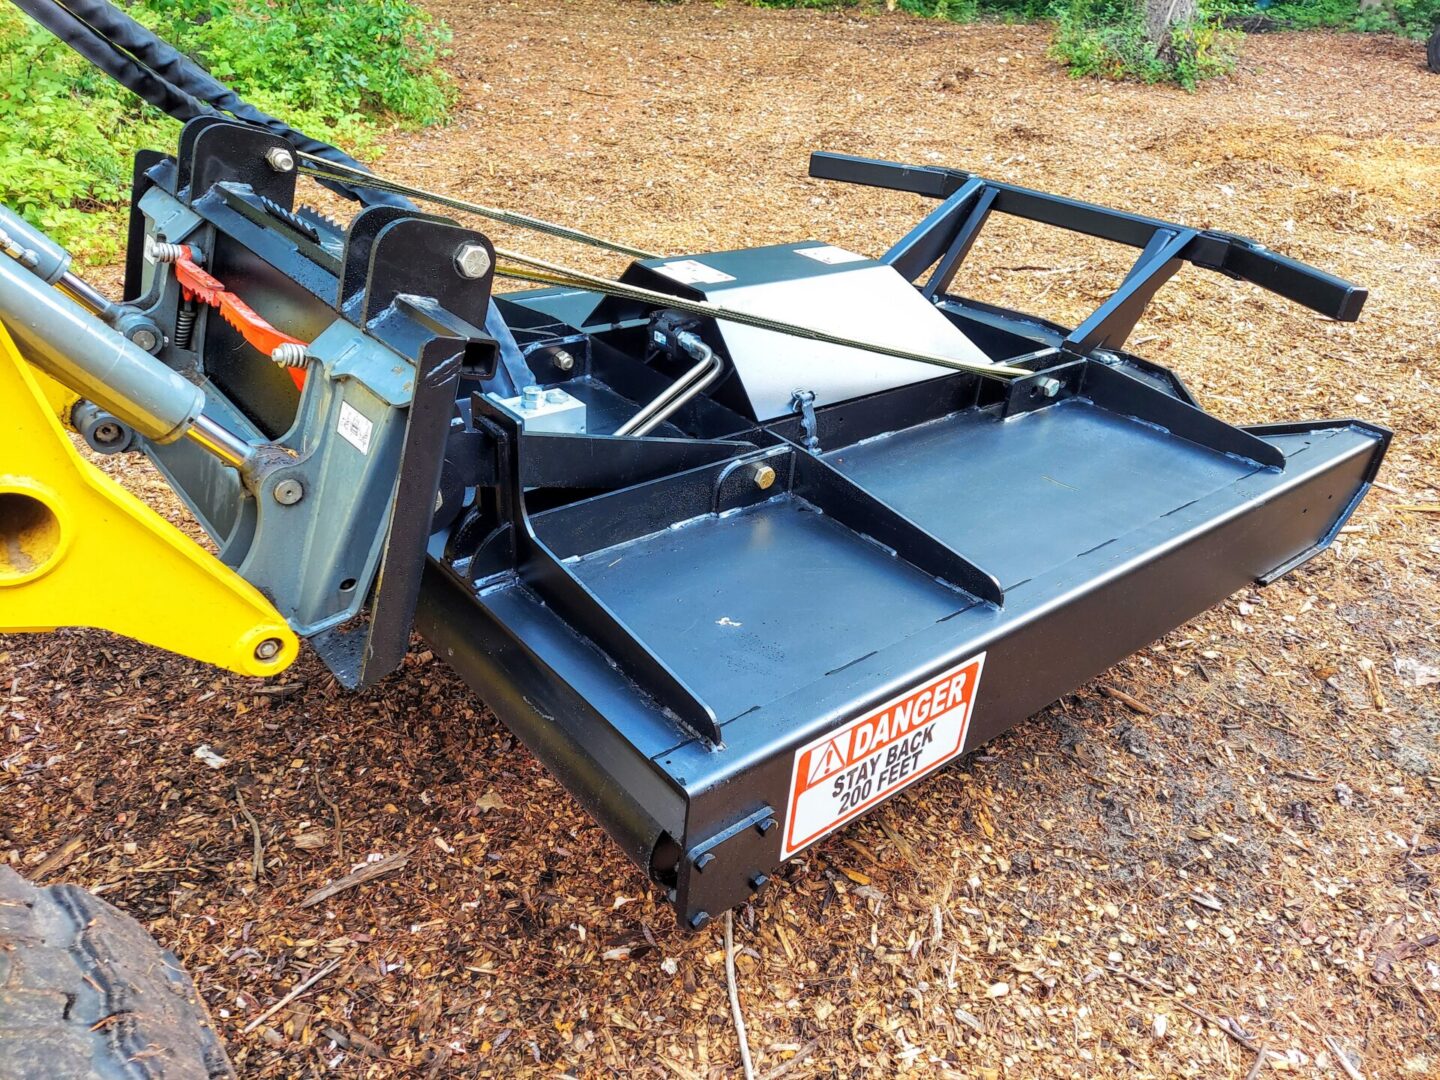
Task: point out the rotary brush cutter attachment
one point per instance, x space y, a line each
740 544
851 574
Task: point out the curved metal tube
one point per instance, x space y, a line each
712 371
684 383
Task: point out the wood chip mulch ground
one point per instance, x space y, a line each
1223 852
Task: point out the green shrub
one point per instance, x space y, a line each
1107 39
334 70
1411 18
970 10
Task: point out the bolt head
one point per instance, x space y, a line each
268 649
563 360
289 492
1047 387
766 825
699 919
145 338
764 476
280 159
703 861
472 261
759 881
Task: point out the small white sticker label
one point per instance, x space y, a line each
831 256
850 770
693 272
354 427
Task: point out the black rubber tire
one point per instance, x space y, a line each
1432 51
86 992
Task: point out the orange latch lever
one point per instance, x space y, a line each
253 326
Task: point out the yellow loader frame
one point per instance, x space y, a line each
77 549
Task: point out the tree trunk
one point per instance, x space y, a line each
1160 16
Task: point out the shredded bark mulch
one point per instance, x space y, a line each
1226 848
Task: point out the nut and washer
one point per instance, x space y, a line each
289 492
764 476
1047 387
268 649
280 159
472 261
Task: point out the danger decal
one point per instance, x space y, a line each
847 771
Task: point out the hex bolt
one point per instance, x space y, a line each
764 476
472 261
531 397
759 881
1047 387
765 826
699 919
145 338
280 159
563 360
289 492
702 861
556 396
268 649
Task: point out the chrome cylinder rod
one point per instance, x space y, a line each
223 443
80 290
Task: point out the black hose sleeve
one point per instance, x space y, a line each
166 97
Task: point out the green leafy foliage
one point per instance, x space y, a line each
336 70
1410 18
970 10
1107 38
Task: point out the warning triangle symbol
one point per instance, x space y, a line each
824 762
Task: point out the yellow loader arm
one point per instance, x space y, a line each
77 549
